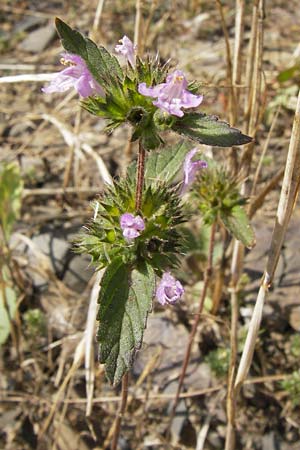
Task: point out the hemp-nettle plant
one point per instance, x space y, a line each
138 230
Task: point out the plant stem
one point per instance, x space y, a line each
121 412
138 203
231 401
187 355
140 176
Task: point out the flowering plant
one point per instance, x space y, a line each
137 233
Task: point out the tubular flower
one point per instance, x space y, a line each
76 75
172 95
131 225
127 49
169 289
190 169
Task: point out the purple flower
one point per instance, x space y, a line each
169 289
127 49
172 95
76 75
190 169
131 225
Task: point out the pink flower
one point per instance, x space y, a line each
127 49
169 289
172 95
76 75
190 169
131 225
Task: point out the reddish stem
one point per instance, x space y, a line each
187 355
140 177
121 412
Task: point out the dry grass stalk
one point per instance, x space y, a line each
89 357
287 200
229 74
238 43
35 77
253 108
264 151
258 201
138 37
96 25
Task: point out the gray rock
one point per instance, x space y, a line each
54 247
79 273
169 341
39 39
269 442
28 23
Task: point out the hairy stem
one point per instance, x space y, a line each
140 177
121 412
187 355
138 203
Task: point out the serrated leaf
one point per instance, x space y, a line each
163 165
104 67
237 223
209 130
125 300
11 186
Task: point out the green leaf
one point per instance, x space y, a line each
237 223
288 74
8 306
104 67
163 165
125 299
209 130
11 186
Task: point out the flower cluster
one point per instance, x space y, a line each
172 95
169 290
191 168
127 49
131 225
76 75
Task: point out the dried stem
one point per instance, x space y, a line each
288 196
121 412
207 277
138 26
264 151
237 54
96 24
229 74
140 176
230 404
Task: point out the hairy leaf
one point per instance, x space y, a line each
104 67
163 165
125 299
209 130
237 223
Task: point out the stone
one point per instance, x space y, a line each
79 273
37 40
269 442
294 318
